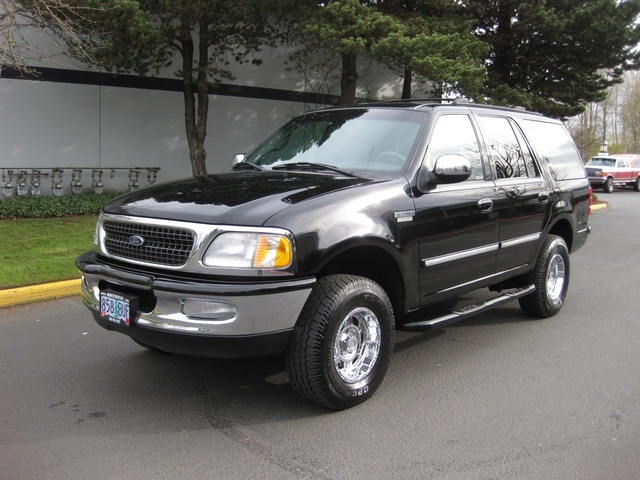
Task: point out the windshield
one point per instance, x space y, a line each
357 141
602 162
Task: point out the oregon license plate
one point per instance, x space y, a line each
116 308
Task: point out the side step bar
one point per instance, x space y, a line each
469 311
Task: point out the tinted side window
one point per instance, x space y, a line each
554 142
511 158
454 134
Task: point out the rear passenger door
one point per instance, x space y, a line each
623 174
523 197
457 224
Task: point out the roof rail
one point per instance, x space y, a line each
419 100
430 101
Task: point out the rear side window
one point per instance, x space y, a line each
508 150
554 142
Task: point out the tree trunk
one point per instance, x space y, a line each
349 80
406 85
203 101
195 120
502 64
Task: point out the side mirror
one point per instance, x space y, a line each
452 168
240 157
449 168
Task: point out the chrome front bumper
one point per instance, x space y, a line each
226 311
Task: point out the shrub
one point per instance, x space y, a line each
49 206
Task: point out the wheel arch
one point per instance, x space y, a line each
371 261
563 228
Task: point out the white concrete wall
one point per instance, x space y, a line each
45 124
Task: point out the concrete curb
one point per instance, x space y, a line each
39 293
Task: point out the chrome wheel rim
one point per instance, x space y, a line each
555 278
357 345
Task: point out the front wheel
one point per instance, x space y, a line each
550 276
341 346
636 185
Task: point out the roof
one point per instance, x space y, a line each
420 103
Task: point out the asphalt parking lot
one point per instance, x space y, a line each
498 396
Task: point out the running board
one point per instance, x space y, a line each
469 311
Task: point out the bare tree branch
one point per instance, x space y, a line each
67 26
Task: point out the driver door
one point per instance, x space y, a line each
457 224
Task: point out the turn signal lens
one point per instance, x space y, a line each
272 251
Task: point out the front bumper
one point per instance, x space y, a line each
597 181
196 317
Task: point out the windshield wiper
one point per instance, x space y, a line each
318 167
246 166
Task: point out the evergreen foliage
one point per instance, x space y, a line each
555 56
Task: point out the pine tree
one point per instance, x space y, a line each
549 56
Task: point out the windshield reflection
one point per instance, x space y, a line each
357 141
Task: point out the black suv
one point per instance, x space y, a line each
336 231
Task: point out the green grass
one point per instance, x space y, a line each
41 250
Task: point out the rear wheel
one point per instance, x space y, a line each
551 279
341 346
636 185
607 186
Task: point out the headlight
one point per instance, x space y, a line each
249 250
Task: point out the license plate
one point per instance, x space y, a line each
116 308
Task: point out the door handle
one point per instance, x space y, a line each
543 197
485 205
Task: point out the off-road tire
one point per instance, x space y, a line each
341 346
551 279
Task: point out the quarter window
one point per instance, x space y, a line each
555 144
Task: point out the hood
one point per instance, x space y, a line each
235 198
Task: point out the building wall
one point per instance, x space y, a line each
72 117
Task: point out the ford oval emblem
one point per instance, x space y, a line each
136 240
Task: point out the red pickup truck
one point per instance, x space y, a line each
618 170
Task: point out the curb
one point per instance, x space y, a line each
39 293
599 206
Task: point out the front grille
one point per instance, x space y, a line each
160 245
